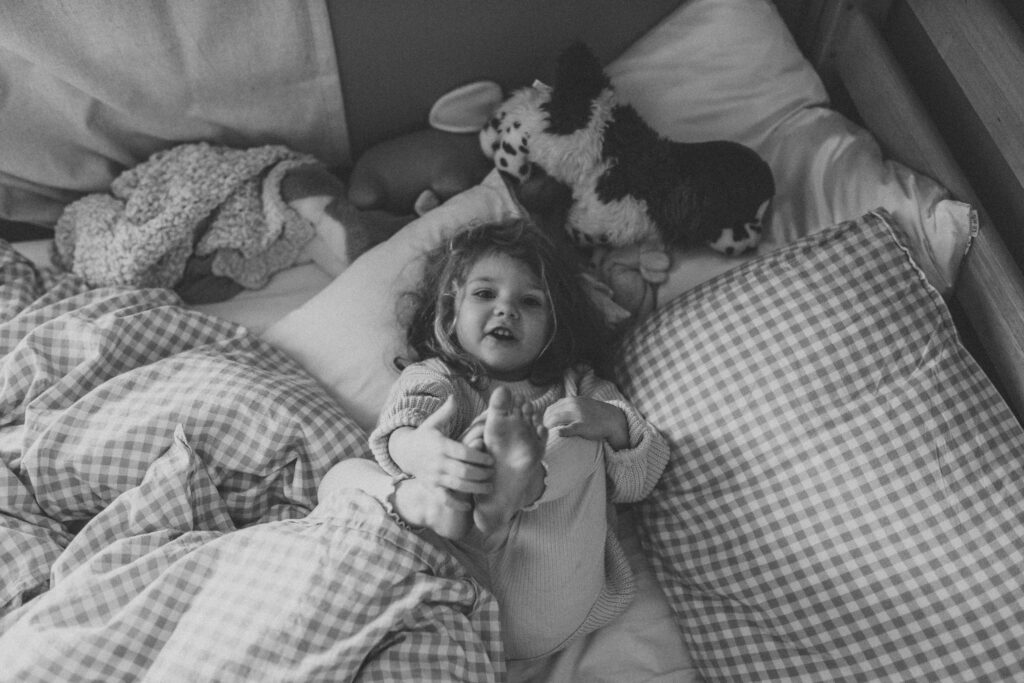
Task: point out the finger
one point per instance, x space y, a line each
467 472
565 430
442 415
456 502
557 418
561 411
466 463
462 453
456 484
472 433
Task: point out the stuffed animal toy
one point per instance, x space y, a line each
627 183
415 172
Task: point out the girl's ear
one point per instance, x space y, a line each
450 301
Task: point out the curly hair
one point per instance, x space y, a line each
579 335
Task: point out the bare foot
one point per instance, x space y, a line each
514 435
448 514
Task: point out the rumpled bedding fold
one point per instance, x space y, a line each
158 469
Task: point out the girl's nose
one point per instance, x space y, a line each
506 309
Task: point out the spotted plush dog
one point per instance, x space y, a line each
628 184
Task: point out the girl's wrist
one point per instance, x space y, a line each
617 435
397 447
399 507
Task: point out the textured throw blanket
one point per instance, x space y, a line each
212 201
158 512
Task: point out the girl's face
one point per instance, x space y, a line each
503 316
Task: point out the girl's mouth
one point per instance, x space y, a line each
501 334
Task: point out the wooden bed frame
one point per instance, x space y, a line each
938 83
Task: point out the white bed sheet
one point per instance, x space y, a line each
256 309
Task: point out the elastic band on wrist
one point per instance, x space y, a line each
389 502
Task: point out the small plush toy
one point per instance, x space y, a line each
342 232
415 172
628 184
393 181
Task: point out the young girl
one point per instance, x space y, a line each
504 441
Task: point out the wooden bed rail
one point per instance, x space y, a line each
991 287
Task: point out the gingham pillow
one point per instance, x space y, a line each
844 499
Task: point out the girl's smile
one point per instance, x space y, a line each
503 316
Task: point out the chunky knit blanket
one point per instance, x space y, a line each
201 199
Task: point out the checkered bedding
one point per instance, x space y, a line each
844 496
158 469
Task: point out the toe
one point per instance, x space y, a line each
501 400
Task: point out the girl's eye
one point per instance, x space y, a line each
533 301
483 293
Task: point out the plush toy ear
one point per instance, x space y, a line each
579 80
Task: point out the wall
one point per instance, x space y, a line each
397 57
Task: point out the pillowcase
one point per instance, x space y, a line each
730 69
347 335
843 496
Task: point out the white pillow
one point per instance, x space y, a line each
717 69
729 69
347 336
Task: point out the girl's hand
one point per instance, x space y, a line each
588 418
473 437
448 514
426 453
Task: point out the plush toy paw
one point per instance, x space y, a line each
633 273
654 263
603 297
742 237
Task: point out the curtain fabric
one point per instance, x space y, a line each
92 87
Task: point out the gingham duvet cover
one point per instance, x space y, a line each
157 472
